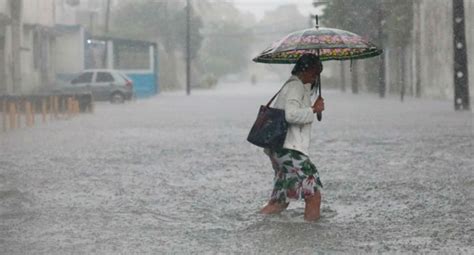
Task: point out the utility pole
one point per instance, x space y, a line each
402 69
461 82
188 47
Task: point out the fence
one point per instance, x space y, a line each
19 111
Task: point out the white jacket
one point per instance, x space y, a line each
295 99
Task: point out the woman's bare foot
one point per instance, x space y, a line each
274 207
312 207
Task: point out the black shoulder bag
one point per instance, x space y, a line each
270 128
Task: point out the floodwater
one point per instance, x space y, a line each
175 175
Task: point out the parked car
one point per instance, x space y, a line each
104 84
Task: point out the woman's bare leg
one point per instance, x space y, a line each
312 207
274 207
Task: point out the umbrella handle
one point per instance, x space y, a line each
319 115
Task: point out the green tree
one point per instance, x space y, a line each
398 22
274 26
366 17
161 21
227 49
388 23
165 23
228 39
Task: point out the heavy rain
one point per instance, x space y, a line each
124 126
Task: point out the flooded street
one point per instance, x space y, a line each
175 175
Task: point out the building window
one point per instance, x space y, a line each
104 77
129 56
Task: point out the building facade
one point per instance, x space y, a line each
434 48
38 36
6 49
27 41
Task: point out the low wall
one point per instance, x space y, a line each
23 111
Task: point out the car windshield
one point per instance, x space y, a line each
125 77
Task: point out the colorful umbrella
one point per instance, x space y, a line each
328 43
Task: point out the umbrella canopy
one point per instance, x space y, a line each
328 43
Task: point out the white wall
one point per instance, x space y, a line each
69 55
39 12
65 14
4 8
7 81
5 75
437 52
30 79
436 48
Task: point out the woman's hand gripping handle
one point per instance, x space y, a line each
318 107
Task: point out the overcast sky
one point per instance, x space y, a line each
258 7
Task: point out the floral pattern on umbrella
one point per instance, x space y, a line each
328 43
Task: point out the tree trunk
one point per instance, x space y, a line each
402 72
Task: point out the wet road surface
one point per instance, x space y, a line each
175 175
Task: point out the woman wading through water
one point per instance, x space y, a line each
296 177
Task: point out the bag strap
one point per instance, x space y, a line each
273 98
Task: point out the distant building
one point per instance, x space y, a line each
91 14
78 24
46 41
27 41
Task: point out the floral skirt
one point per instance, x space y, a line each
296 177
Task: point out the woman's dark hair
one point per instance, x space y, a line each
305 62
